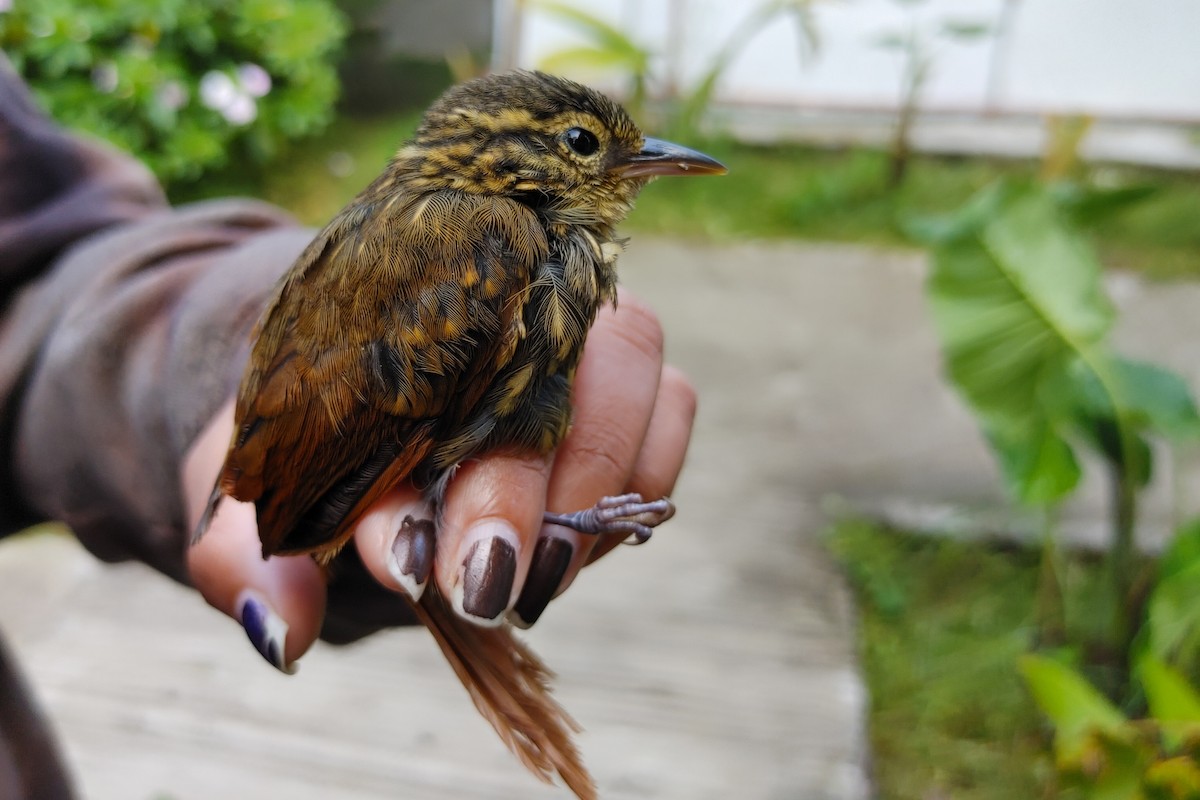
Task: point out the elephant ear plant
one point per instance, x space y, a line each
1019 304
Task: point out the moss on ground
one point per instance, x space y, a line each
942 624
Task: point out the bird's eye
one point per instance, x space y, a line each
582 141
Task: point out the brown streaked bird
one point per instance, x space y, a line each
442 314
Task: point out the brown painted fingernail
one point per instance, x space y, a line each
488 574
411 558
551 558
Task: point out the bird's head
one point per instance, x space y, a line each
563 148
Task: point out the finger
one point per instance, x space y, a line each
279 601
664 448
491 517
396 541
615 389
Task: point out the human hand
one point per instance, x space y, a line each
632 421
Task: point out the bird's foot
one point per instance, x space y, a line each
626 513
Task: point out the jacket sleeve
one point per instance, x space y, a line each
121 320
124 325
118 355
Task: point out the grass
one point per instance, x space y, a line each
942 624
782 191
314 179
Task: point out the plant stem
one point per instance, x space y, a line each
1049 615
1123 560
916 70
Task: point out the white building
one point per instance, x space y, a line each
1134 66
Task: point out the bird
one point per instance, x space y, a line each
441 315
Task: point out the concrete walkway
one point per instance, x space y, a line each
716 663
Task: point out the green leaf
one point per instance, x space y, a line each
1172 701
1112 391
1017 299
1172 628
1075 707
622 48
586 58
1182 554
1170 697
1121 775
965 30
1087 205
1036 459
1156 397
1051 269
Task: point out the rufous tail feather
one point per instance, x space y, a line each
510 686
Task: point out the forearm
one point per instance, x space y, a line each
131 343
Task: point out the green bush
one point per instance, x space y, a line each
185 85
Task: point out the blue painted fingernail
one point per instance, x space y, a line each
266 630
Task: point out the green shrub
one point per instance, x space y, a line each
1103 755
185 85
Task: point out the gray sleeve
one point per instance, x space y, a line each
124 325
130 344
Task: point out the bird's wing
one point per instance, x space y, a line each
389 329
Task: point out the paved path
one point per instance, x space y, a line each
715 663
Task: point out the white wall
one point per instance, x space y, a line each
1112 58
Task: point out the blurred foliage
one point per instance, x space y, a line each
1019 304
917 46
1064 137
687 116
1171 631
941 624
609 49
841 195
940 619
779 191
1017 299
186 85
1103 755
336 167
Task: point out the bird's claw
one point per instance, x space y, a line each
625 513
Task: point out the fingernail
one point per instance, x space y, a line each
488 573
410 559
266 629
551 558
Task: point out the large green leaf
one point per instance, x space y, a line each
1017 299
1019 303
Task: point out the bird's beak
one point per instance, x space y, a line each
667 158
